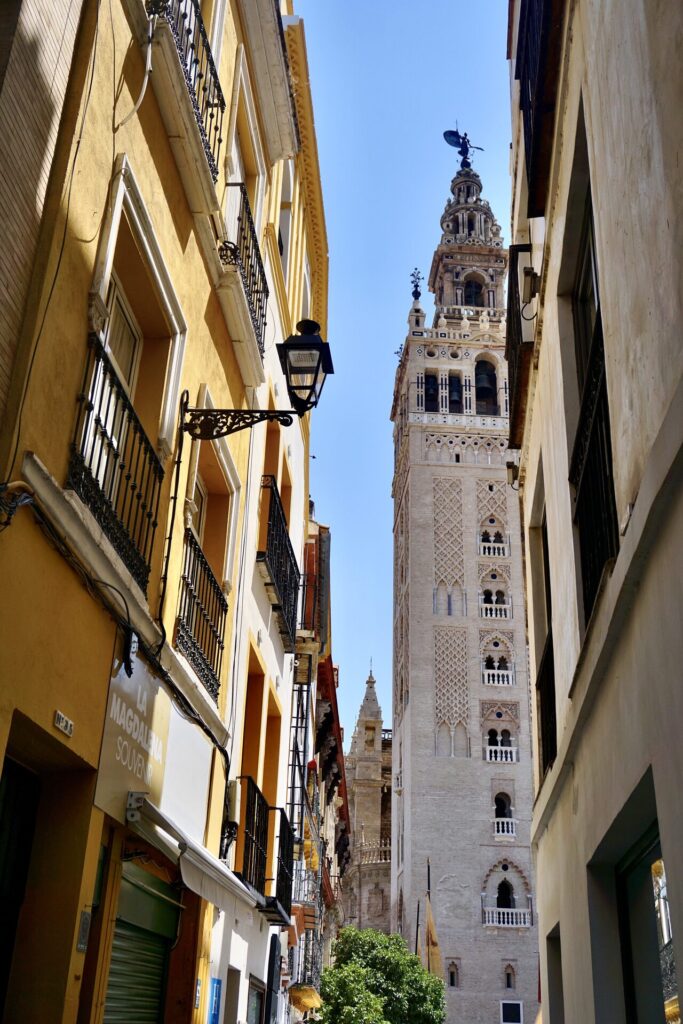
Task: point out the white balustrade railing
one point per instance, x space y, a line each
494 549
495 611
502 755
498 677
375 853
505 828
503 917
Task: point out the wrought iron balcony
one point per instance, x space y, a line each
518 349
242 251
184 19
312 959
113 467
506 917
308 617
200 626
277 563
253 836
501 755
505 828
498 677
537 67
279 905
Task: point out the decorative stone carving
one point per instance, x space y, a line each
451 704
504 637
509 709
491 501
487 569
448 550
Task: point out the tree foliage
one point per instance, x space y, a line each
375 980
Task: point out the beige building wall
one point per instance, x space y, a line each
608 803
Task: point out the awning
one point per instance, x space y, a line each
200 870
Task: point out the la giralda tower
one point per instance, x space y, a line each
461 702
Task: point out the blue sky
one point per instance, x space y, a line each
388 77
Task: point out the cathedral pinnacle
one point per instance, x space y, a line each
416 278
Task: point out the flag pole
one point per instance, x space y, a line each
417 927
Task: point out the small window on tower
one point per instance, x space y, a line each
511 1013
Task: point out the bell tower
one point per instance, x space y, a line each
462 765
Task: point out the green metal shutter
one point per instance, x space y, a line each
137 975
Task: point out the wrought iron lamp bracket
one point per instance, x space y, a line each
228 253
210 424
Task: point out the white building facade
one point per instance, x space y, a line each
461 736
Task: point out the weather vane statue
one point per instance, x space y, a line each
463 146
416 277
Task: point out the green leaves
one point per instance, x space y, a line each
375 980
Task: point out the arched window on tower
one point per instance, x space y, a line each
431 392
486 387
454 393
473 292
503 805
505 900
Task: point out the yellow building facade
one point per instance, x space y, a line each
151 576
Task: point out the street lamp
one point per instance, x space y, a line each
306 361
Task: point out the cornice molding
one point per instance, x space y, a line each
309 169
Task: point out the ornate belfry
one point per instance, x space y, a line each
461 709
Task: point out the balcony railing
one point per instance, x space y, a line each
537 68
196 60
200 626
494 549
505 828
308 616
375 853
495 611
518 349
498 677
474 312
113 466
254 827
242 250
501 755
501 917
277 563
279 906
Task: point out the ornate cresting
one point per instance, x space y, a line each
184 19
244 253
113 467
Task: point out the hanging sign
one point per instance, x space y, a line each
135 736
